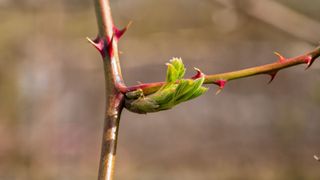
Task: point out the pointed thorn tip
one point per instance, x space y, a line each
198 74
281 58
91 42
221 84
273 75
129 24
218 91
98 43
309 62
119 33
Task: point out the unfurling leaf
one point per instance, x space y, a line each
175 90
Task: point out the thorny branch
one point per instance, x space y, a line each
107 44
221 79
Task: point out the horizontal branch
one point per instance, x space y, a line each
222 78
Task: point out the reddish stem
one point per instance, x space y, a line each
107 44
109 35
269 69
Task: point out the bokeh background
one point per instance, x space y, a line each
52 91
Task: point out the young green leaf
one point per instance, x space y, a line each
175 91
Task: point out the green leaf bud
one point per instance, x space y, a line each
175 90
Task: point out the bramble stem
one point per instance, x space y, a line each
265 69
108 36
110 137
107 45
270 69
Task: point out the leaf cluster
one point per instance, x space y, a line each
175 91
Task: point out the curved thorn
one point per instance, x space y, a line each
95 43
316 158
198 74
119 33
98 43
273 75
281 58
309 61
221 84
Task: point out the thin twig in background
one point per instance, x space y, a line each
296 23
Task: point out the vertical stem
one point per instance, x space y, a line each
106 32
113 80
110 137
104 18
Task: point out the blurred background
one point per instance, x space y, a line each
52 91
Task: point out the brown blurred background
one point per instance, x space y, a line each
52 91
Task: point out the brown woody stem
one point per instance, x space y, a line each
110 137
220 79
108 35
107 45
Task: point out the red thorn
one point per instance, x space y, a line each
119 33
99 44
281 58
221 84
198 75
102 45
273 75
309 60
